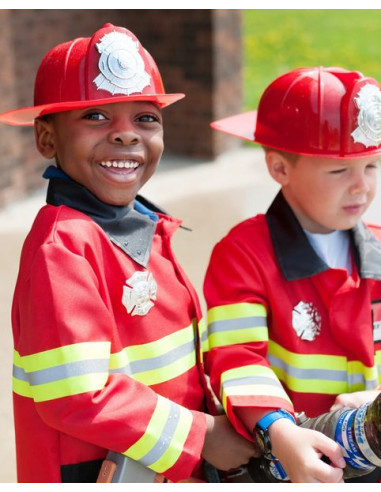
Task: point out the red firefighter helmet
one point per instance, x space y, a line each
111 66
327 112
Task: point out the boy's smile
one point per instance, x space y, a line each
112 150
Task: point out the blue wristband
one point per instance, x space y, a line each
261 434
265 422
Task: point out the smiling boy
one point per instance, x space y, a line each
114 149
106 325
294 294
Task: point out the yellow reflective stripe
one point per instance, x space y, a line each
356 369
307 361
68 387
171 371
63 371
322 386
158 361
63 355
320 373
252 380
165 436
378 363
153 349
203 334
153 431
169 458
237 323
233 311
21 388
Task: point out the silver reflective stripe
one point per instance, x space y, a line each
322 374
64 371
358 379
165 438
303 373
138 366
204 336
237 324
251 380
162 360
19 373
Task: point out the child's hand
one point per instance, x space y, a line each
300 451
224 448
354 400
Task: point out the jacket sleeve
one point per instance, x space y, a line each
63 361
238 315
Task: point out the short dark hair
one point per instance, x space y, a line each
45 117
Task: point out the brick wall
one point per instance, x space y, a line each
199 52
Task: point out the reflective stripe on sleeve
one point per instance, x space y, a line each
63 371
82 367
203 334
252 380
164 438
237 323
325 374
378 362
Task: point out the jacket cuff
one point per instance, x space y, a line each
190 459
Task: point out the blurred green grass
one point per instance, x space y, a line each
277 41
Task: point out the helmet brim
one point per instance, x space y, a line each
240 125
243 126
26 116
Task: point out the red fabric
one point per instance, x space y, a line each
244 268
69 290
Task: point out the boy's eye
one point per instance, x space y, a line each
338 171
94 116
373 165
148 118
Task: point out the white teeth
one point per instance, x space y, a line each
120 164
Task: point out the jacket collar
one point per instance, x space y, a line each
296 257
130 230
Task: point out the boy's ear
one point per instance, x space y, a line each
44 136
278 166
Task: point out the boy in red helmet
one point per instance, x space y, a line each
293 296
106 325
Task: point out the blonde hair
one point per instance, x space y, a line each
291 157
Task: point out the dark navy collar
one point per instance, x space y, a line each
296 257
132 230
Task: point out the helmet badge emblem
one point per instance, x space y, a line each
138 293
368 131
121 66
306 321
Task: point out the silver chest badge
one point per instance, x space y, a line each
138 293
368 101
121 65
306 321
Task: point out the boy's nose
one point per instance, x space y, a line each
360 184
124 135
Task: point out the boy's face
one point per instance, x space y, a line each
112 150
329 194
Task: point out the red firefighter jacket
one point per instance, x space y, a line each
107 343
285 330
